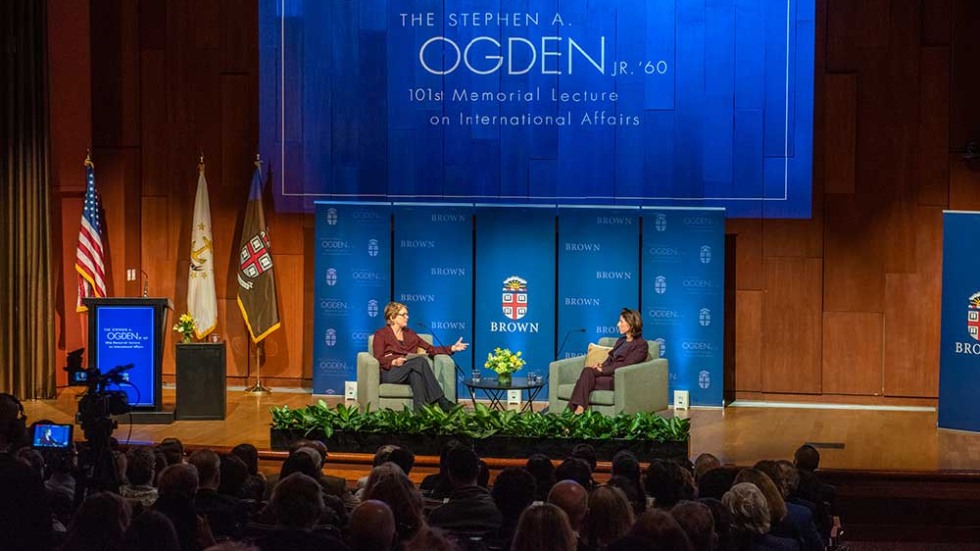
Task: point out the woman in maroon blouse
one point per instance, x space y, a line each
396 347
629 349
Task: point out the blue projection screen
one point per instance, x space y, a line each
633 102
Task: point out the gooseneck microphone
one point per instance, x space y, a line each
459 371
564 340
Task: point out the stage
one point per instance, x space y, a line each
849 439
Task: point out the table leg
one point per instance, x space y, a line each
472 395
532 393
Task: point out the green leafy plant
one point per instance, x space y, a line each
481 422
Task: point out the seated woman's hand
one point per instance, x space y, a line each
459 345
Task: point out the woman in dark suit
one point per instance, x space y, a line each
393 344
629 349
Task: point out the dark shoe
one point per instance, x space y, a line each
446 404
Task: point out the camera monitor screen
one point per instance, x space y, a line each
51 436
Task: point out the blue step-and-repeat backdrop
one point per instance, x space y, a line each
543 280
629 102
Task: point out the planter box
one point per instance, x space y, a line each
502 447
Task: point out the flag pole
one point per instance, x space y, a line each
258 388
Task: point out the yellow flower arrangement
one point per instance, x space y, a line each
504 362
186 326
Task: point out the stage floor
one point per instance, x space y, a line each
860 439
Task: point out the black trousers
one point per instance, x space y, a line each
589 380
419 376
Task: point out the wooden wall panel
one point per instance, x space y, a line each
911 346
748 255
156 158
854 264
857 33
791 325
932 161
898 239
239 36
748 340
794 238
840 131
965 47
937 21
852 355
284 348
964 183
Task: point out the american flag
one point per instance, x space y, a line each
89 258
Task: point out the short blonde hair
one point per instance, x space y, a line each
392 309
750 512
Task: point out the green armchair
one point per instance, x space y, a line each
640 387
371 392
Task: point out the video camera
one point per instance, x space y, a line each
97 406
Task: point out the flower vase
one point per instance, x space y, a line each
186 339
504 379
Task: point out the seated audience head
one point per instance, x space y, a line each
462 466
249 454
33 459
234 473
716 482
790 476
513 491
774 499
303 460
721 515
178 481
625 463
297 501
405 502
208 466
372 526
151 531
586 452
172 449
382 454
806 458
750 512
543 471
697 522
609 518
658 527
159 462
444 453
775 473
403 458
544 527
667 483
319 447
141 465
99 523
575 469
572 498
633 492
704 463
383 471
431 539
13 421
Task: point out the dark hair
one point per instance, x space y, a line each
234 473
483 477
806 458
208 465
513 491
405 503
716 482
316 445
141 465
587 453
178 480
300 462
658 526
633 491
249 454
543 527
13 420
172 449
462 464
697 522
543 471
625 463
151 531
444 453
610 516
575 469
99 523
402 457
666 483
635 321
297 501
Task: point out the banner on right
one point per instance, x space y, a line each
959 357
683 297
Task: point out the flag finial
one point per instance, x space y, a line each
258 161
88 159
200 161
